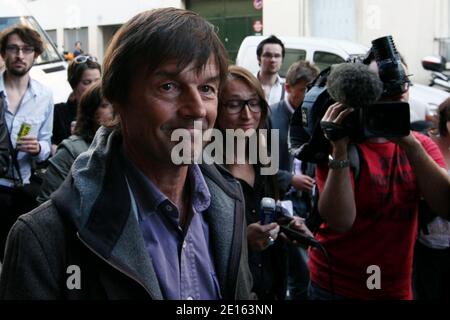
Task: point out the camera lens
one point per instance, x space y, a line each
391 71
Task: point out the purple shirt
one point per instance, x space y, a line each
182 259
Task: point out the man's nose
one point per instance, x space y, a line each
193 104
19 52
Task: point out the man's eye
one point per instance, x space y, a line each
207 89
167 86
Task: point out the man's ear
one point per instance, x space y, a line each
259 61
287 87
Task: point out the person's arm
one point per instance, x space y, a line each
45 134
57 171
302 182
284 179
433 180
298 181
337 201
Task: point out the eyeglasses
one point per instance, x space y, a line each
236 106
270 56
16 49
84 59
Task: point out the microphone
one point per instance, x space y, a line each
267 212
272 211
354 85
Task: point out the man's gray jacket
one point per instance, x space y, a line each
85 243
281 119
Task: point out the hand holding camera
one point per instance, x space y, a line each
332 122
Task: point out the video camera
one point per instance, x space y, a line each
356 86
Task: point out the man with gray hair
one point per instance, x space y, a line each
129 223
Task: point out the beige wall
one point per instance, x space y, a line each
414 24
285 17
92 14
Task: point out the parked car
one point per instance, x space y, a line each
325 52
50 67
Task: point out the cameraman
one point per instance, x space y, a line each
371 222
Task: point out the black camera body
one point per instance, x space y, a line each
387 119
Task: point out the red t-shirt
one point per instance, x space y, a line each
385 228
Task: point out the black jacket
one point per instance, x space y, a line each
90 223
63 115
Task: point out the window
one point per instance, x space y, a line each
291 56
325 59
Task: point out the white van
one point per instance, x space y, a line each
50 67
324 52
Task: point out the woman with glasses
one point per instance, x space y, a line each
242 105
93 111
82 72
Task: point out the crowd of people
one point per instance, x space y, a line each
112 202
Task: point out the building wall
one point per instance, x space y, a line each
333 19
97 16
414 24
285 17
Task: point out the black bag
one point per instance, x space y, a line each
25 192
4 142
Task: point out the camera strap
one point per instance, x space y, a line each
354 156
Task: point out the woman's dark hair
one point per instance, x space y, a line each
444 117
75 71
87 124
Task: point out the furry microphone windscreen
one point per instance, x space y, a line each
354 85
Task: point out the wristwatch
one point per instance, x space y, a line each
338 164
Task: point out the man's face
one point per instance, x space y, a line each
271 58
164 101
19 62
296 93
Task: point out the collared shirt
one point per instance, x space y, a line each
36 109
182 259
296 165
276 91
288 104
